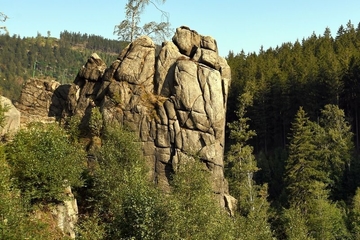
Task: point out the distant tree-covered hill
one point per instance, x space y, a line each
22 58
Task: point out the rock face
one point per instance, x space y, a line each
42 100
12 117
175 101
66 214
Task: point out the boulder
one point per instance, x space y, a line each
187 41
137 63
66 214
12 118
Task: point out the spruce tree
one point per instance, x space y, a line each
335 148
302 169
253 207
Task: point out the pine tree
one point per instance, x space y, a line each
252 198
355 215
335 147
302 169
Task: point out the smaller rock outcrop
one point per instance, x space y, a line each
12 117
42 100
66 214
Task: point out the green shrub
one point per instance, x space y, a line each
3 109
128 203
193 210
90 227
44 162
96 123
16 221
72 127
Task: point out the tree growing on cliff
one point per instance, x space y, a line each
129 29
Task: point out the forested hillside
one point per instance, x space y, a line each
302 110
60 59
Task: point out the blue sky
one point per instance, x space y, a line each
235 24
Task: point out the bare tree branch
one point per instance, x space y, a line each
129 28
3 18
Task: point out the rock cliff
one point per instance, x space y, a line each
175 101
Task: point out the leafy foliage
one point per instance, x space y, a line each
3 109
15 218
326 220
121 193
193 212
132 208
253 206
310 164
96 122
43 162
295 224
354 217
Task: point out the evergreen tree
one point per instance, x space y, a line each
335 148
354 217
303 170
252 198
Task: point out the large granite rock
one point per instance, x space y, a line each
175 101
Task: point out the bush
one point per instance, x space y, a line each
15 220
96 122
193 210
91 228
128 203
44 162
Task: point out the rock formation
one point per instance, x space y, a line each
12 117
175 101
42 100
66 214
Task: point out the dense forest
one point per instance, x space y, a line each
292 150
60 59
297 108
